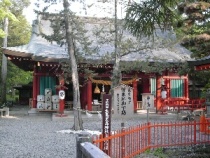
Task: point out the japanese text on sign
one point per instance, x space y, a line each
123 100
106 113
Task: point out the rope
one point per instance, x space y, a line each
109 82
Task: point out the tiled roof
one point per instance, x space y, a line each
201 61
39 49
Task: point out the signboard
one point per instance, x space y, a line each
123 101
106 120
147 101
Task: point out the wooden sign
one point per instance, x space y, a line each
123 101
106 120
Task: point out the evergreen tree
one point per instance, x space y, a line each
195 26
19 34
69 31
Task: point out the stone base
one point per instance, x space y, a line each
61 117
4 112
32 111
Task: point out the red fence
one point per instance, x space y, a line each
132 141
182 104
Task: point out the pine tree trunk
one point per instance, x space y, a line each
116 76
78 125
4 65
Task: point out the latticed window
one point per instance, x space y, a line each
153 86
177 88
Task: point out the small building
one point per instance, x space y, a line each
25 93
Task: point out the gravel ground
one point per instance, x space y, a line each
24 136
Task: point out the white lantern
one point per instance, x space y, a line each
163 94
61 94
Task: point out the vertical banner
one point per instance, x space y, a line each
123 101
106 120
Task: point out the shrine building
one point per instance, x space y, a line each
45 59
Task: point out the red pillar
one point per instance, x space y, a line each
38 85
158 92
61 88
167 83
135 95
35 87
89 95
83 97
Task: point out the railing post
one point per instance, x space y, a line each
101 143
80 138
202 122
149 134
122 140
194 132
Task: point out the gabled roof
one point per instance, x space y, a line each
39 49
200 64
201 61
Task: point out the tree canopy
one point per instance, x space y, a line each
142 17
17 35
5 13
195 25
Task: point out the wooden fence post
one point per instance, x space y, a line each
202 122
194 132
122 140
149 134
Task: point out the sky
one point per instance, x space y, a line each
93 8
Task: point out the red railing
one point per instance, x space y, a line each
132 141
183 104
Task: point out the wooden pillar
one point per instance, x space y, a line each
38 85
158 92
61 88
135 95
186 82
83 97
35 87
89 95
167 83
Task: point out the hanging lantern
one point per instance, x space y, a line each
97 90
162 81
38 63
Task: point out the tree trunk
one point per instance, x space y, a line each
116 76
78 125
4 64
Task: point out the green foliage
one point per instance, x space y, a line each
141 18
16 76
195 29
159 153
5 13
148 151
195 26
18 35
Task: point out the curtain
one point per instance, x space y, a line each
47 82
177 88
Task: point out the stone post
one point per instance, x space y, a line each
81 138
